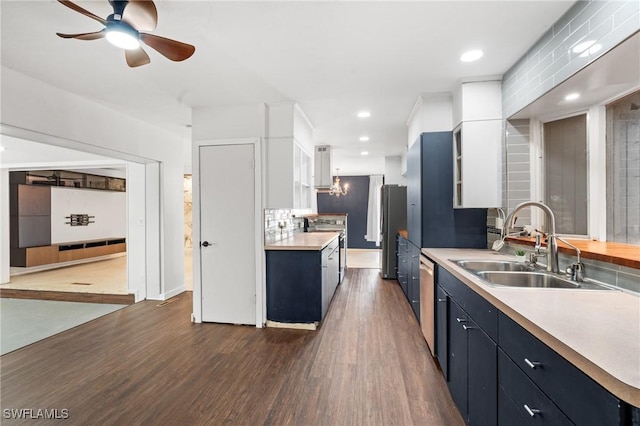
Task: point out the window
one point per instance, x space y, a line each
623 170
565 173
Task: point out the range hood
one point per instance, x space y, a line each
322 178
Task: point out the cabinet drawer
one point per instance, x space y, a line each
583 400
332 245
483 312
519 398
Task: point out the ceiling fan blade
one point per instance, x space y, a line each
84 36
141 15
171 49
85 12
136 57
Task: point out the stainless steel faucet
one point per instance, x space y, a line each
552 243
575 269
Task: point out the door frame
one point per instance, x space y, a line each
260 284
147 268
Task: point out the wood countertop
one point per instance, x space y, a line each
304 241
598 331
617 253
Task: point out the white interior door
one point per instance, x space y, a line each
227 233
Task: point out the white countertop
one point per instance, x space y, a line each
304 241
596 330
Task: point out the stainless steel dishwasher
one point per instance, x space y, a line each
427 300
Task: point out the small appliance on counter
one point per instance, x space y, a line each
329 222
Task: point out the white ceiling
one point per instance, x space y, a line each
332 57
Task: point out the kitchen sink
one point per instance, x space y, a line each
529 279
493 265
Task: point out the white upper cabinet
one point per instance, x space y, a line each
288 157
477 145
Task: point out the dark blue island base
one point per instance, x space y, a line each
300 286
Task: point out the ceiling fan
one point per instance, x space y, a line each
129 25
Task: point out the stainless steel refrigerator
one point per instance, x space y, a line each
394 218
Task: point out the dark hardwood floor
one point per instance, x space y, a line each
148 364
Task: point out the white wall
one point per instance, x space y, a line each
223 125
393 171
4 226
65 119
432 112
359 165
136 240
478 99
229 122
107 207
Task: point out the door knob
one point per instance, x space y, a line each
205 244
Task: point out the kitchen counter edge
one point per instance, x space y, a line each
304 241
624 388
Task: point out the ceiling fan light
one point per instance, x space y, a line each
122 39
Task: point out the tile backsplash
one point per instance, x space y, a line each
618 276
280 224
551 59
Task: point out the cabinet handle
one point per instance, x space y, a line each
532 411
442 300
414 256
325 266
466 327
461 320
532 364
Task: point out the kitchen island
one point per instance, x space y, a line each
302 276
590 340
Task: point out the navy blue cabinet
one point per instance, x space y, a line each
413 279
301 283
472 366
500 374
551 378
466 334
404 264
458 357
442 329
431 219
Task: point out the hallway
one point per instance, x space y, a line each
367 364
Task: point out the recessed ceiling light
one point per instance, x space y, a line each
471 55
2 148
364 114
586 48
364 138
364 153
572 96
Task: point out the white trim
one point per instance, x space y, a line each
590 142
30 135
303 115
414 110
535 160
259 235
597 172
169 294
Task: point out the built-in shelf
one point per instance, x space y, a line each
56 253
69 179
